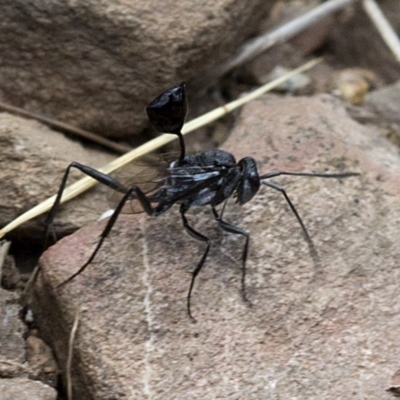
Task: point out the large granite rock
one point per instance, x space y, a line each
313 332
96 64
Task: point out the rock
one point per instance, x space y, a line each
285 55
353 84
11 369
366 49
36 158
386 102
41 361
312 332
24 389
383 105
96 66
10 278
289 54
15 351
395 384
297 84
12 346
309 40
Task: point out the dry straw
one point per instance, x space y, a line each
86 183
250 50
71 341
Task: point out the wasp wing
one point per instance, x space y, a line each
148 173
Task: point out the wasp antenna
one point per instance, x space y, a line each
313 250
273 174
167 113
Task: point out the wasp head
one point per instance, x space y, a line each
250 181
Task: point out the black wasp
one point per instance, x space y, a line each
209 178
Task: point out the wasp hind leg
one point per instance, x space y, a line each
129 193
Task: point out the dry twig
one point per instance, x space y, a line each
86 183
383 25
119 148
258 45
70 353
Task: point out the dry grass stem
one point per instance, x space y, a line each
70 353
258 45
119 148
86 183
382 24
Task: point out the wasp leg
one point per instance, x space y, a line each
93 173
184 208
226 226
129 193
313 250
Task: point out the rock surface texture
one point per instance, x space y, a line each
23 389
36 158
313 332
11 331
97 64
14 368
366 49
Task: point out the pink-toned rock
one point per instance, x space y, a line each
96 65
328 332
